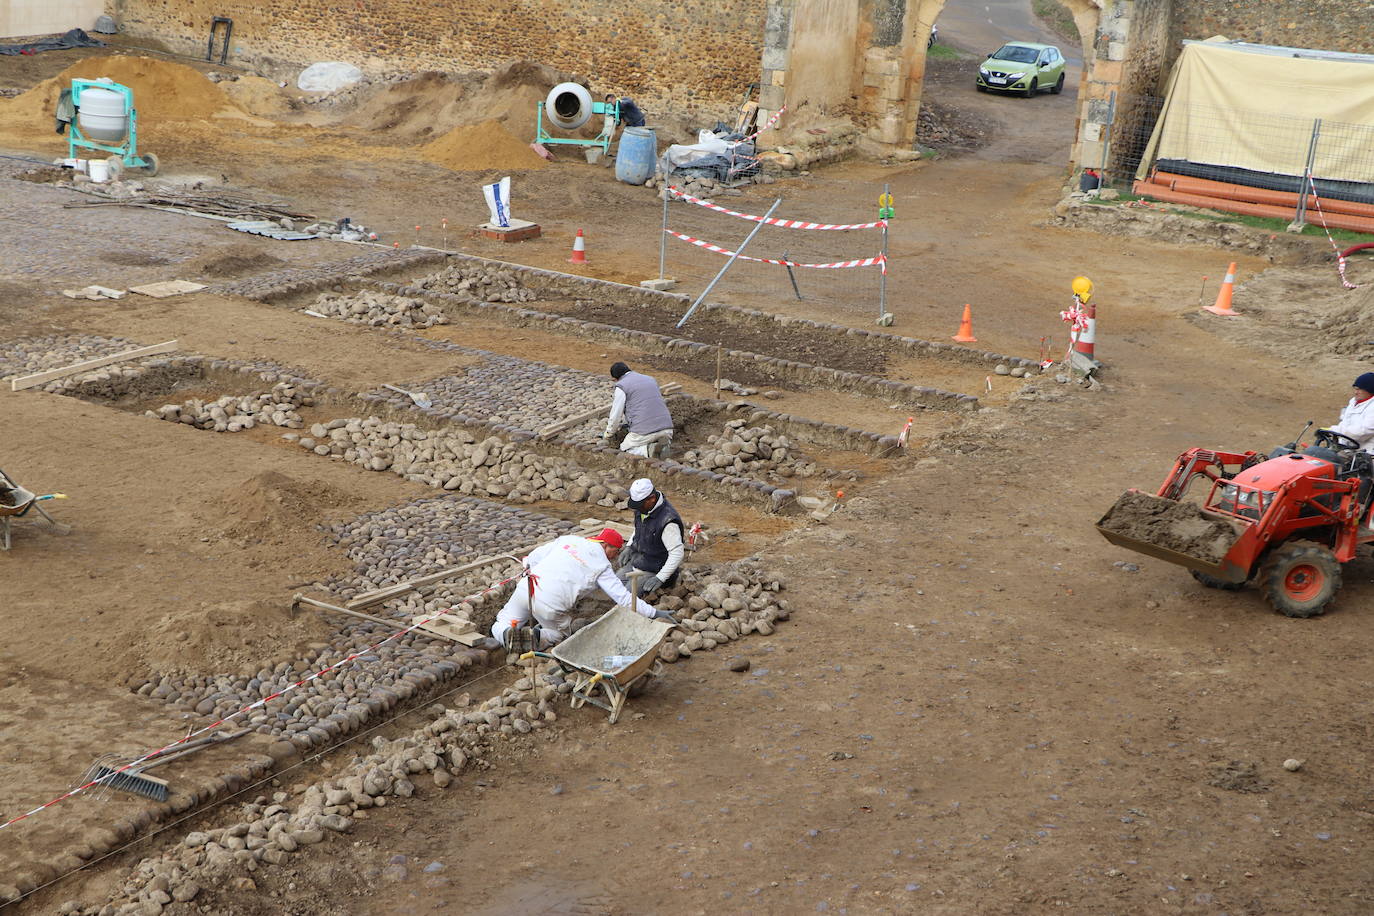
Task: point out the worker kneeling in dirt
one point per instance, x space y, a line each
656 548
640 404
557 575
1357 417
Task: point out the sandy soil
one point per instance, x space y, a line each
979 706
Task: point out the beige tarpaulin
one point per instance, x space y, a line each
1253 107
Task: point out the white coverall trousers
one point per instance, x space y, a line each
554 624
640 444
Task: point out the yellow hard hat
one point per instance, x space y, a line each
1082 288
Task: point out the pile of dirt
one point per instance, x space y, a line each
485 146
273 505
416 109
258 96
163 91
1172 525
233 261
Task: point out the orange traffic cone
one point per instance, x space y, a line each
965 334
1223 303
579 255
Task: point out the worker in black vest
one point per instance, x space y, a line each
656 549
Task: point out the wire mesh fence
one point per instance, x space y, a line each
1258 149
846 293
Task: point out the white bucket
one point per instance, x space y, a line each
99 170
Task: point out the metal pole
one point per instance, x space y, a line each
882 276
663 239
712 285
790 275
1300 217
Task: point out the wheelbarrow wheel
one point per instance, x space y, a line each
153 164
644 681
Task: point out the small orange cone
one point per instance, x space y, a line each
579 255
965 334
1223 303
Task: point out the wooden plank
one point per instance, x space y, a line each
165 288
367 599
29 381
460 631
584 416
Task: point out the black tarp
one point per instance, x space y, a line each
76 38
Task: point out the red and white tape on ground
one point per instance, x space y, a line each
773 220
880 260
264 701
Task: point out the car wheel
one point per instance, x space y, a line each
1059 86
980 87
1033 88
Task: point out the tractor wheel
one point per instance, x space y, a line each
1059 86
1214 582
1033 88
1300 578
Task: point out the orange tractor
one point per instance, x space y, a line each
1289 520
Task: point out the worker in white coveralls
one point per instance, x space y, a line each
656 548
557 575
1357 417
638 402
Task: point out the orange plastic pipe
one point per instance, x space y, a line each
1330 220
1229 191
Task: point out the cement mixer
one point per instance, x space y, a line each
103 117
568 107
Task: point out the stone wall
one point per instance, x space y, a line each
681 51
1331 25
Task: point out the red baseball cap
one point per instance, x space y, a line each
610 537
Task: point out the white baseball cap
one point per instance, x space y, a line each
640 490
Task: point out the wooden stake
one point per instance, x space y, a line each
29 381
720 352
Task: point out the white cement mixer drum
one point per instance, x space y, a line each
568 106
102 116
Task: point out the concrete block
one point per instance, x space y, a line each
662 284
770 98
1091 132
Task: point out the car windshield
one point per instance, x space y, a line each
1018 54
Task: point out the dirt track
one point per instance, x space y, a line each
975 706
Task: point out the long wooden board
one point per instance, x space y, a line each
29 381
584 416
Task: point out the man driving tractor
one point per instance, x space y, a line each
1357 417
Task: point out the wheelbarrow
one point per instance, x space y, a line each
616 654
15 502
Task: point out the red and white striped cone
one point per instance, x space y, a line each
1083 341
579 255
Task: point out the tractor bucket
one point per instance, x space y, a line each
1179 533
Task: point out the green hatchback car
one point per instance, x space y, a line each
1024 68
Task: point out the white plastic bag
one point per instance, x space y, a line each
328 76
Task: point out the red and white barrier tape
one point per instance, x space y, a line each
773 220
1075 316
1340 261
265 700
880 260
771 121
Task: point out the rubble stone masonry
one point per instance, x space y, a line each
683 51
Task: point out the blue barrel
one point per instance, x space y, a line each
638 153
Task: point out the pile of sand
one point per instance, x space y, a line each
1173 525
258 95
484 146
232 261
163 91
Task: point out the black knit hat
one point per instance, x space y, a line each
619 369
1365 382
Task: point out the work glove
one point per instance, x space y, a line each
664 615
648 585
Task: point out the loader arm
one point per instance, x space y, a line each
1200 461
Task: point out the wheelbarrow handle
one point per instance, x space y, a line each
529 655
